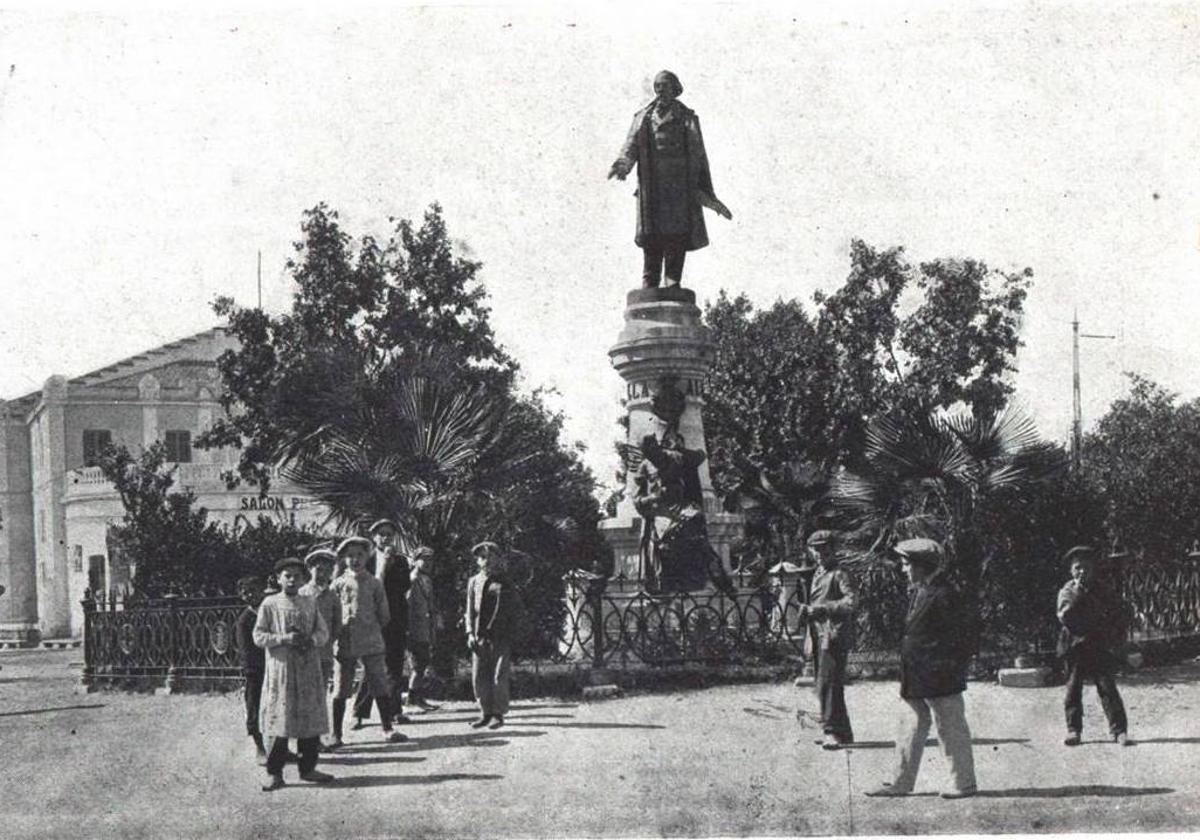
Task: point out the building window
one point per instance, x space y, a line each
179 447
94 442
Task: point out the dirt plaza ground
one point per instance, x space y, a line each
733 760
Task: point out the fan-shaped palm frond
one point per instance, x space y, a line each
990 437
915 446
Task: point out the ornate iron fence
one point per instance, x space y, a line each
611 623
171 640
1162 597
615 623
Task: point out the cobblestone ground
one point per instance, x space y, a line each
732 760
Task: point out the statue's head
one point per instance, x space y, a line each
667 86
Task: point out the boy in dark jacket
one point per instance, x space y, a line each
250 590
934 654
493 618
1090 619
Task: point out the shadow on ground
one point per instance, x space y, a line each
1073 790
388 781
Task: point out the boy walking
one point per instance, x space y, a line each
1087 609
254 662
934 654
365 613
321 563
291 631
831 607
493 613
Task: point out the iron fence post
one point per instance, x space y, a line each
595 594
87 679
171 685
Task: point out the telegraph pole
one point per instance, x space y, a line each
1077 413
260 282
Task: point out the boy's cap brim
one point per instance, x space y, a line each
382 523
320 555
920 549
350 541
289 562
1079 552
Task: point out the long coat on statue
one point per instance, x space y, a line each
671 189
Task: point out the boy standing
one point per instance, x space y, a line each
393 573
364 615
254 662
493 612
1090 620
321 563
422 626
291 630
831 607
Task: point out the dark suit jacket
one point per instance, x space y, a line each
936 645
396 579
494 609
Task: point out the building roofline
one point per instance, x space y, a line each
121 366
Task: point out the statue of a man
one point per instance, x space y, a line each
673 182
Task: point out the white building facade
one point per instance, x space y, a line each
56 507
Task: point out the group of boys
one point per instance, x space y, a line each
303 636
936 648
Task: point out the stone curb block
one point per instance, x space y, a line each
601 692
1023 677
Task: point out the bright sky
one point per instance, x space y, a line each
145 157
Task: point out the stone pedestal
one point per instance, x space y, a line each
664 344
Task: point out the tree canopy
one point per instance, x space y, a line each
1143 460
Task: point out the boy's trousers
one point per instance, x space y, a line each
490 666
1087 665
954 737
308 748
253 697
831 691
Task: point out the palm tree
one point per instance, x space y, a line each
935 474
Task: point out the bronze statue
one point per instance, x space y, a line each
673 182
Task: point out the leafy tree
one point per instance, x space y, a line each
1144 459
792 391
356 311
172 545
384 392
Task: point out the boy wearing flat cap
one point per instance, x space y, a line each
290 629
493 614
1091 628
391 567
364 615
321 563
831 606
934 654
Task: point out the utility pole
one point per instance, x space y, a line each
1077 413
260 281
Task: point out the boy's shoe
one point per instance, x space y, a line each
273 782
1122 739
401 718
959 794
394 737
426 706
889 790
1072 739
358 724
479 723
831 742
316 776
336 743
497 722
